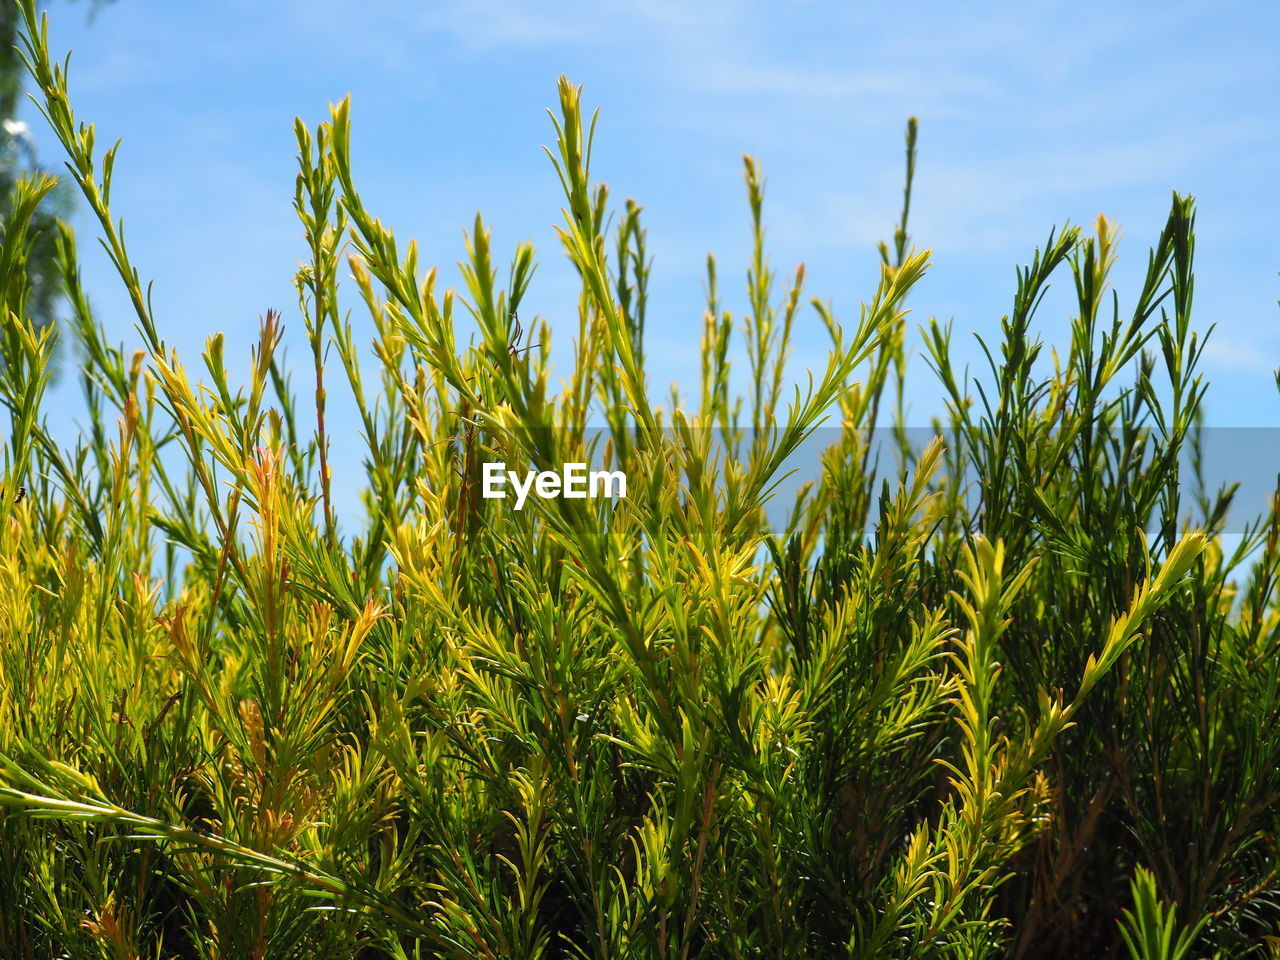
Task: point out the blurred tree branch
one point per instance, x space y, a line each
18 155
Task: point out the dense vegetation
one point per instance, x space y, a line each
1008 698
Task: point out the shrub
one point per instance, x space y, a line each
1007 698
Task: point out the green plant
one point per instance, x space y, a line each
18 158
1149 930
946 710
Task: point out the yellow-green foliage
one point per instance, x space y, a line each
948 709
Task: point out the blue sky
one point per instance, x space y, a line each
1030 115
